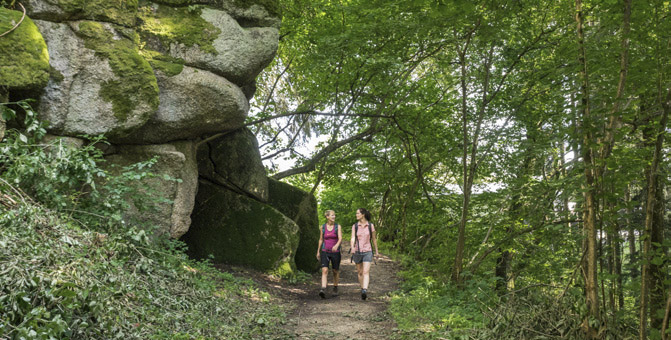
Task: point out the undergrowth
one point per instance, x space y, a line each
429 306
73 266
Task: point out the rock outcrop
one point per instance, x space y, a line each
301 207
239 230
176 161
159 79
233 161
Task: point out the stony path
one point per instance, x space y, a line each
346 316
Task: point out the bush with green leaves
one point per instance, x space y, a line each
72 267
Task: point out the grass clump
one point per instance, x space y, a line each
74 267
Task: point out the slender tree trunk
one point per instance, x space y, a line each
631 236
589 210
387 236
652 274
467 185
658 261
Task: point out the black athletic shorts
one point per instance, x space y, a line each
327 257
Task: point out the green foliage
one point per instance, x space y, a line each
72 267
68 178
429 304
478 116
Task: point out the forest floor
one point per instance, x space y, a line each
341 316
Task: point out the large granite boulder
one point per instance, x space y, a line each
234 161
209 39
154 77
192 103
301 207
238 230
176 161
24 59
102 84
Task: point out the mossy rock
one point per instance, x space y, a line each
120 12
234 161
136 83
27 66
176 25
174 187
271 7
166 64
208 39
237 230
193 103
301 207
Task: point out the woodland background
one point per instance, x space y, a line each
513 153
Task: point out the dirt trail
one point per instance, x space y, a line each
346 316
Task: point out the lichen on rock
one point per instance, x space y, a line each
136 81
182 25
27 66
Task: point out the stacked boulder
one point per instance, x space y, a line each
170 79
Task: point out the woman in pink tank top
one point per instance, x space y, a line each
361 246
328 251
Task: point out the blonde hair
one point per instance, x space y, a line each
326 213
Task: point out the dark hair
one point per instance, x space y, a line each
365 213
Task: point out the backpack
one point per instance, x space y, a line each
324 235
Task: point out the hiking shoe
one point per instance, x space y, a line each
322 294
335 290
364 294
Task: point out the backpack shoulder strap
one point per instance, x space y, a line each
323 234
356 235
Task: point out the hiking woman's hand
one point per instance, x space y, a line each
335 248
318 256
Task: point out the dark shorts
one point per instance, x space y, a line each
362 257
327 257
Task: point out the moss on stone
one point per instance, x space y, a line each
238 230
122 12
176 2
170 66
136 82
182 25
27 65
56 75
272 6
301 207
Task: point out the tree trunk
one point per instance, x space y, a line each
631 236
652 274
658 261
592 319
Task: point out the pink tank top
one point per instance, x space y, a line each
363 236
330 240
